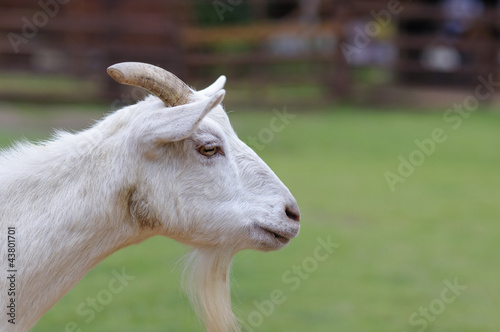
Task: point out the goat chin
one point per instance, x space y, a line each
206 282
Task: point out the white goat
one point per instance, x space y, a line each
169 165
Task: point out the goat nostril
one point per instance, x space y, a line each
292 212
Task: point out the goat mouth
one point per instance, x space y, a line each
276 235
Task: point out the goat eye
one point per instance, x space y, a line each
208 151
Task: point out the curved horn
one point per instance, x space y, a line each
163 84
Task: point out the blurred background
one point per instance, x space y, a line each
388 136
382 52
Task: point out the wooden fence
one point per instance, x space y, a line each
277 42
82 38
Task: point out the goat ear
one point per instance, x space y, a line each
215 87
177 123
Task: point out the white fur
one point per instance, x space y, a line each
137 173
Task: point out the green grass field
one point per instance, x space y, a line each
397 254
